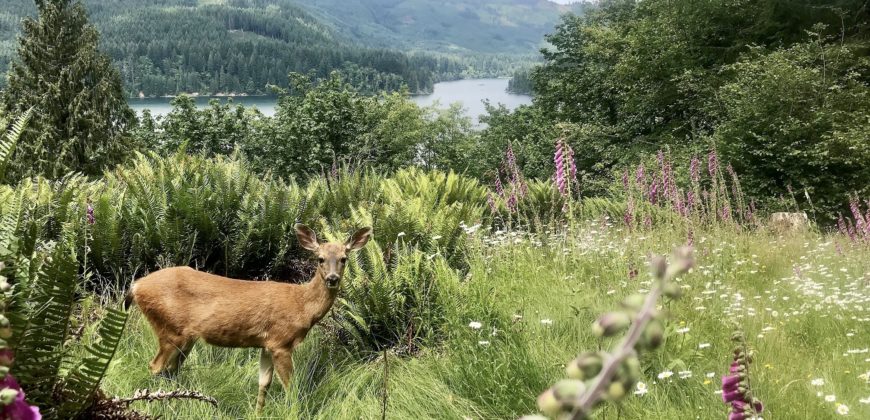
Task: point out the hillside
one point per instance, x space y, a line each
171 46
488 26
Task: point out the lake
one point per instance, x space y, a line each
471 93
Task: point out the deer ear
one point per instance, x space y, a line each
307 237
358 239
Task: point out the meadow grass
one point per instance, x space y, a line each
802 301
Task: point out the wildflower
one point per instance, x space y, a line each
682 330
830 398
817 382
547 321
703 345
864 400
735 385
842 409
90 214
712 163
685 374
474 325
694 168
566 169
483 343
666 374
641 389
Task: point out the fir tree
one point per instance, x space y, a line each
81 115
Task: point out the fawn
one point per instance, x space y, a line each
183 305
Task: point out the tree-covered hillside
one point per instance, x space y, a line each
490 26
170 46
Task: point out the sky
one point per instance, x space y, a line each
565 1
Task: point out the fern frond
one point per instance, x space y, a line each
10 140
46 310
81 384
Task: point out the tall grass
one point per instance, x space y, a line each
535 302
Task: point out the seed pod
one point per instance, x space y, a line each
4 285
634 302
659 266
653 335
611 323
4 322
549 404
585 366
615 390
569 389
5 332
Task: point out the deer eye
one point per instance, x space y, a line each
343 260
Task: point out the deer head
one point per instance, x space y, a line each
331 256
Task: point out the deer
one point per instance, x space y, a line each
183 305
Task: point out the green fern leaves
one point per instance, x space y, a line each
10 140
81 384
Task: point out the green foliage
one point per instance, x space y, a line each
177 46
798 118
528 131
397 303
321 124
629 78
521 82
47 288
10 140
80 114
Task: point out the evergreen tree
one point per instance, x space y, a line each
81 114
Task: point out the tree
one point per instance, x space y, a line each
81 116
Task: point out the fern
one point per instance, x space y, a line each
81 384
8 142
45 310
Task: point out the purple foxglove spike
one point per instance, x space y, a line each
712 163
730 381
757 406
90 214
734 368
731 396
736 416
695 169
625 179
640 175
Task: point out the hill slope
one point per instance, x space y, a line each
489 26
171 46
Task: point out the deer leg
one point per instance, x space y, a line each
166 360
167 354
183 353
266 369
283 359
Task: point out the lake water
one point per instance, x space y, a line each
470 93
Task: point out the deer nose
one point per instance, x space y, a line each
333 278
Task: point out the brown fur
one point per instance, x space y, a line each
184 305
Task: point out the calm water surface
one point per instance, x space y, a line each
470 93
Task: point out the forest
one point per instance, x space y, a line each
677 226
185 46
